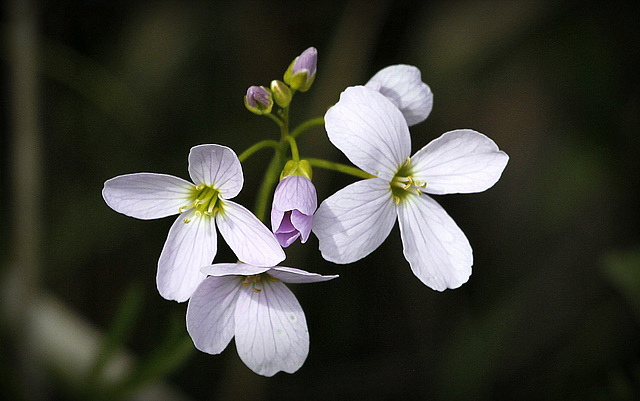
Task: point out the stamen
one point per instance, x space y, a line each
257 290
404 181
273 278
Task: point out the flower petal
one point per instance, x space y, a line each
271 329
436 248
189 246
354 221
370 131
237 269
210 314
293 275
302 223
217 166
147 195
296 193
460 161
251 240
403 85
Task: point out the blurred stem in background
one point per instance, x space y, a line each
20 279
44 334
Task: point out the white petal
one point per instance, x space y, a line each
189 246
147 195
403 85
460 161
354 221
237 269
217 166
210 314
271 329
436 248
251 240
369 130
293 275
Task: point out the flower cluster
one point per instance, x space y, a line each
370 125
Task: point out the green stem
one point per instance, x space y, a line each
268 182
294 148
256 147
276 119
306 125
342 168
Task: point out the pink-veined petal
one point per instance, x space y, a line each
237 269
296 193
293 275
303 223
217 166
436 248
403 85
189 246
354 221
370 131
460 161
271 329
211 313
147 195
251 240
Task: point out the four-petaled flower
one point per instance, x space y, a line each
294 202
372 132
192 239
252 304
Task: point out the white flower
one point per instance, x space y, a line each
354 221
192 239
402 84
252 304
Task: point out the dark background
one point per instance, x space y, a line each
552 308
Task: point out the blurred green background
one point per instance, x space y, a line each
93 89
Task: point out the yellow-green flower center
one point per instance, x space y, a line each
206 202
403 184
256 279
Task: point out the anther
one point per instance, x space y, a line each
257 290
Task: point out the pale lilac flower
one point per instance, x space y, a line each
253 304
192 239
294 202
402 84
354 221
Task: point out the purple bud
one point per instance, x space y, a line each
258 94
294 202
307 61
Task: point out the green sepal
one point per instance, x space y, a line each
301 168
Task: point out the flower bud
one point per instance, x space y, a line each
294 202
281 93
302 71
258 100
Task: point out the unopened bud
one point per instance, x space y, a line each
281 93
302 71
258 100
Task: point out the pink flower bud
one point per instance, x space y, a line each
294 202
